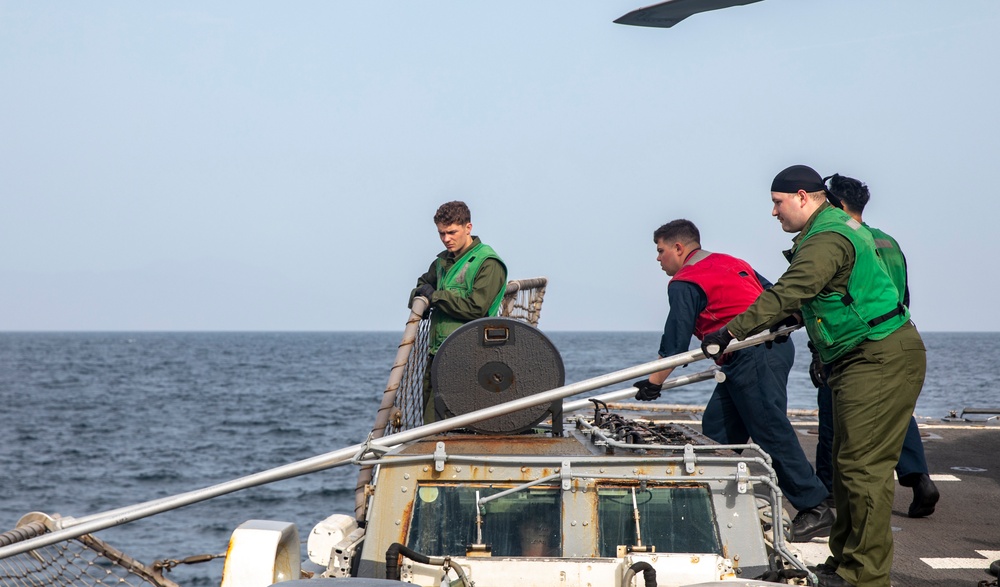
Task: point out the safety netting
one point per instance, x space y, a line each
85 561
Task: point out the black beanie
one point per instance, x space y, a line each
797 177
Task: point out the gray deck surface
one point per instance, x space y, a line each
955 545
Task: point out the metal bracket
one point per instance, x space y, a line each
365 447
566 473
368 447
689 459
445 567
742 477
440 456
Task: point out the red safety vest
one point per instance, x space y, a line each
730 285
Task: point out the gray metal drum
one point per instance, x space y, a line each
494 360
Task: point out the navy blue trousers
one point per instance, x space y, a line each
911 460
752 403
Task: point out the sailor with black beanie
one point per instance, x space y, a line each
853 315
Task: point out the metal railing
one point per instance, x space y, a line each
84 561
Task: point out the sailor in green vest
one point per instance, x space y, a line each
853 315
852 196
466 281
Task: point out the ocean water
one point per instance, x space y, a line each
94 421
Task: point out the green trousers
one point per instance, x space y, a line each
875 388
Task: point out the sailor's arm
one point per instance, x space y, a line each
687 300
821 263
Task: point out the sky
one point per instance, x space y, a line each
276 166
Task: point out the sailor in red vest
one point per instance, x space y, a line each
705 292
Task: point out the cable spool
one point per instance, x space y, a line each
490 361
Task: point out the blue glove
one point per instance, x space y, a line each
720 338
648 391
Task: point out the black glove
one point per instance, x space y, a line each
424 290
817 371
648 391
720 337
794 319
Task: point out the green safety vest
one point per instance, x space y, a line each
872 308
888 250
460 278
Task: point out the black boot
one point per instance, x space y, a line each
813 522
832 580
925 495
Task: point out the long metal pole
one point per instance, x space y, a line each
72 528
619 394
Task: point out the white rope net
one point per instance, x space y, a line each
81 562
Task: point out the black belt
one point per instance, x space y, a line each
899 310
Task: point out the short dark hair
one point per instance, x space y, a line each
848 190
680 230
455 212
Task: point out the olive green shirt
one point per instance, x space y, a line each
492 277
822 264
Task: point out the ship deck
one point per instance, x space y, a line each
956 544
